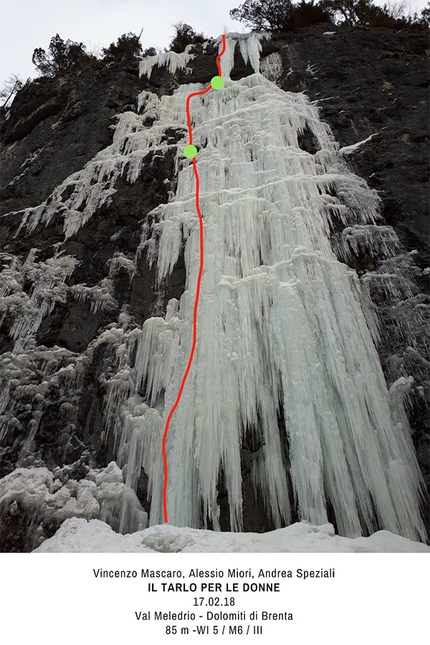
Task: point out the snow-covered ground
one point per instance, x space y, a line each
82 536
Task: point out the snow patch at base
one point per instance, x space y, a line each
47 497
81 536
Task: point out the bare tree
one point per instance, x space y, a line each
9 89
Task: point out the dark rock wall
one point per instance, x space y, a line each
56 125
373 82
366 83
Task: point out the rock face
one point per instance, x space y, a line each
373 83
81 294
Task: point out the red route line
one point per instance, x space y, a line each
199 280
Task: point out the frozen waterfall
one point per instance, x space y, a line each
285 368
281 330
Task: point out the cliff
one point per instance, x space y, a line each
79 294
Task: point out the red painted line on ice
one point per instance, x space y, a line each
222 52
199 280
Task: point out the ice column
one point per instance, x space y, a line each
280 330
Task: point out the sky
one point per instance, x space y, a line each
27 24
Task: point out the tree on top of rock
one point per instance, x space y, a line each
263 14
284 15
280 15
62 56
185 35
128 46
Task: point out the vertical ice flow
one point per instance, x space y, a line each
285 365
281 331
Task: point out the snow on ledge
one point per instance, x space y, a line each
347 150
81 536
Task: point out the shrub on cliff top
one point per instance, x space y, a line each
305 14
263 14
62 56
284 15
185 35
280 15
127 46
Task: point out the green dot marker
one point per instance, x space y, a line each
190 151
217 82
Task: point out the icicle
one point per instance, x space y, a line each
121 262
250 49
378 241
79 196
48 288
100 296
271 67
281 327
171 60
51 497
